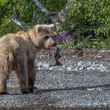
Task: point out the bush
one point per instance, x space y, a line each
89 15
25 9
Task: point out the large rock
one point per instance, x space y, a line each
80 83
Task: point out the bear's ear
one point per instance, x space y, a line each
44 28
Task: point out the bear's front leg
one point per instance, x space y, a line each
31 74
22 72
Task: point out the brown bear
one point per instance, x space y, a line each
17 52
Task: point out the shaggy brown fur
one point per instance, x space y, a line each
17 52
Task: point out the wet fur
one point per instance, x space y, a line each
17 52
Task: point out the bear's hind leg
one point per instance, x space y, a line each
4 73
3 79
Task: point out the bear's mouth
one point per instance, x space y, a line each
52 46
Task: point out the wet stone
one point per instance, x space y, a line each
79 83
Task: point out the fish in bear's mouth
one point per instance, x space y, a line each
57 55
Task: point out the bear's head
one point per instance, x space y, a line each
43 36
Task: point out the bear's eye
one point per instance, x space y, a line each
46 37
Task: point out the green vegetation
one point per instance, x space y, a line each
87 15
83 16
25 9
